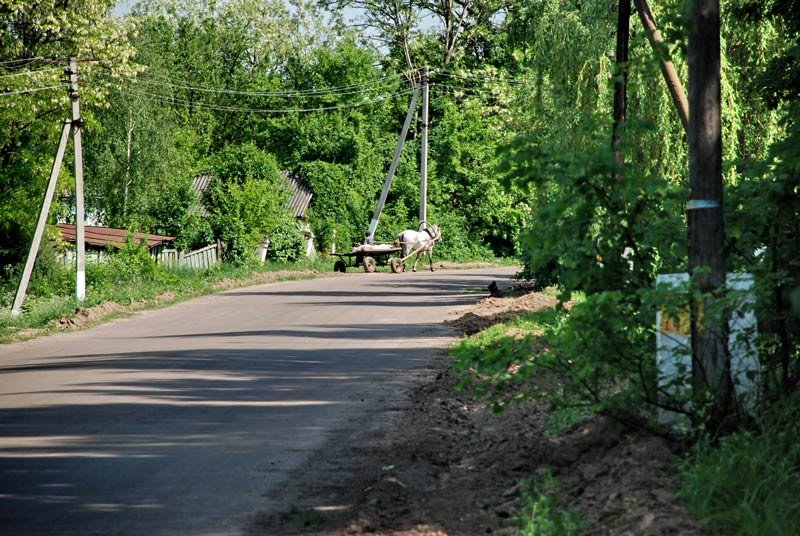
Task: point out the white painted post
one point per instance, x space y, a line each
80 216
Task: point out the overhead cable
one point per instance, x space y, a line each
31 90
24 61
30 73
226 108
333 90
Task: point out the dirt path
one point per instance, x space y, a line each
447 465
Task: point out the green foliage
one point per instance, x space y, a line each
748 484
340 208
50 277
541 513
287 243
132 263
500 362
33 33
246 200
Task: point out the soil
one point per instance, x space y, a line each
446 465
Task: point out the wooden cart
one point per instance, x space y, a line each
367 256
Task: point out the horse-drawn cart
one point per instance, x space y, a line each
370 256
367 255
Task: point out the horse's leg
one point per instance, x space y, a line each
430 258
416 260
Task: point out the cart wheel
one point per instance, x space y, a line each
339 266
396 265
369 264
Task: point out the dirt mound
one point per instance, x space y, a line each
620 482
85 316
489 311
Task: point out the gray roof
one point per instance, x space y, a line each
297 203
301 195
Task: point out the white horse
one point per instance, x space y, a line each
419 241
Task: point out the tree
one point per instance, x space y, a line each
35 40
246 200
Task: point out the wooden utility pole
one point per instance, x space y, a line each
710 362
667 68
423 158
621 78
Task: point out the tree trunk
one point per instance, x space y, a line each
710 362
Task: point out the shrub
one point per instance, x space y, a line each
287 243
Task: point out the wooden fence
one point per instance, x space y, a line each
198 259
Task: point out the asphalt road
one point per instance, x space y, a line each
185 420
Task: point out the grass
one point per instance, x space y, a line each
541 513
303 518
499 361
749 483
40 312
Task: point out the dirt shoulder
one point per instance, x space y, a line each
445 464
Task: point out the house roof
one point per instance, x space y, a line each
297 203
301 195
107 236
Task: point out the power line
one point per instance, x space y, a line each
485 78
30 73
25 61
349 89
31 90
225 108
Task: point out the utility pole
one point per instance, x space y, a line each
621 79
369 237
667 68
423 158
72 126
80 237
710 360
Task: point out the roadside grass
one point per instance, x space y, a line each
304 519
160 288
541 513
499 360
749 483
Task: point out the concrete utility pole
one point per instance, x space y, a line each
710 362
423 157
373 224
73 126
45 210
80 237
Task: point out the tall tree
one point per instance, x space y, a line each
35 40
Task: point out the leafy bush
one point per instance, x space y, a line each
287 243
50 277
131 263
246 200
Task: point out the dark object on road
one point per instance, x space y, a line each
494 291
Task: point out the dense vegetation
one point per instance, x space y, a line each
521 159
